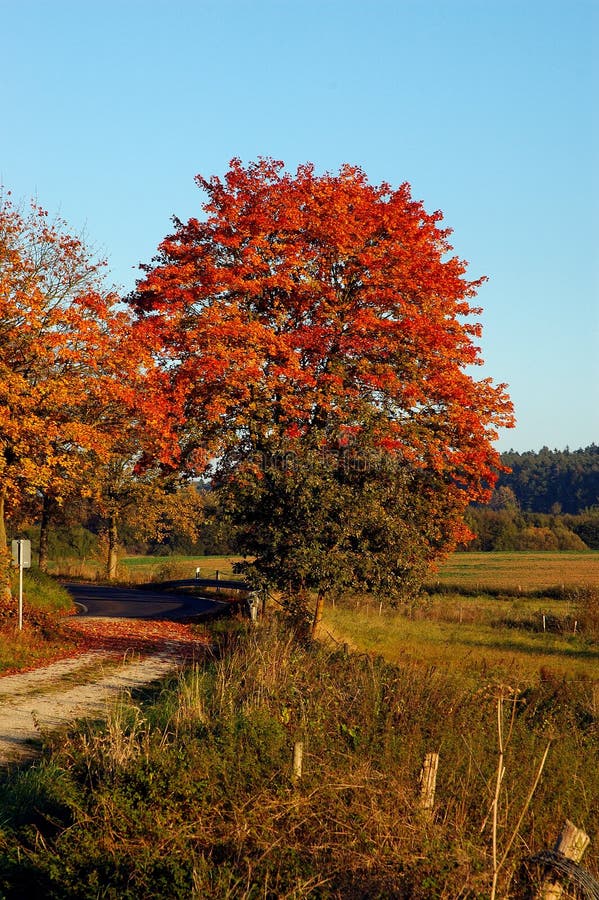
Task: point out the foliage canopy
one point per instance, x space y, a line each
76 381
307 312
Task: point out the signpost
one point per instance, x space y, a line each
21 554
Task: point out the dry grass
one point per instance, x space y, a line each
477 649
192 795
525 569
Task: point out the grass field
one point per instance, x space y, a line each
527 569
490 618
148 568
480 651
486 617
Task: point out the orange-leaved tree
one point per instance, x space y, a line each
302 312
70 367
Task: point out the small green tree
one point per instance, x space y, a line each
323 516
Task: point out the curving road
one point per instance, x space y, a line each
139 603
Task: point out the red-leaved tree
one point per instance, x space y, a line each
302 313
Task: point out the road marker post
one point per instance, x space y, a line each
21 554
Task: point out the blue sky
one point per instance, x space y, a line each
489 109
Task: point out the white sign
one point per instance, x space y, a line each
21 553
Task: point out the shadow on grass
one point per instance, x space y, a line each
521 647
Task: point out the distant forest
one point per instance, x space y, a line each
548 501
553 481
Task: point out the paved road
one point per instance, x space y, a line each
137 603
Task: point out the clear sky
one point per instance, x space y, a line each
489 108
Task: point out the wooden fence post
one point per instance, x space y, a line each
298 755
571 843
428 784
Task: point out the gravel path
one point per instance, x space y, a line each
38 701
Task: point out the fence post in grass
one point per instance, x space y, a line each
571 844
298 756
428 785
217 579
253 602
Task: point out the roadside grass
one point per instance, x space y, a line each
192 795
42 592
22 651
41 639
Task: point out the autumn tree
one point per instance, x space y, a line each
150 500
71 364
304 310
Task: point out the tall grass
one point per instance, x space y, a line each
192 795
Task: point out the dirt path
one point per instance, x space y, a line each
38 701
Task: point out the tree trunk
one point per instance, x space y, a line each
113 540
44 533
5 591
317 615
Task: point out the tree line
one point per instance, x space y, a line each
547 500
553 481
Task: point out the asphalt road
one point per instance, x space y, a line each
137 603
